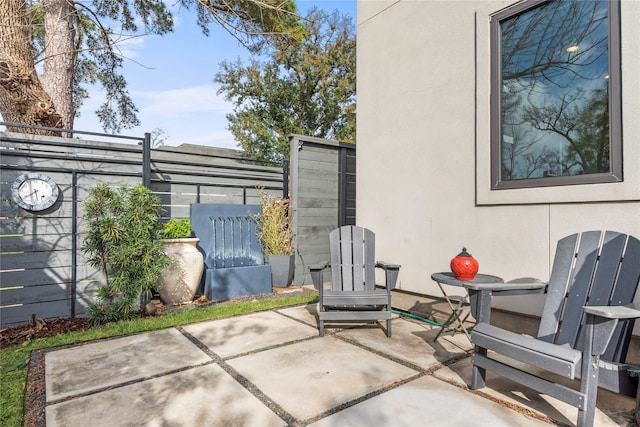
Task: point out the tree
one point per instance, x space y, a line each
582 120
75 42
306 88
158 137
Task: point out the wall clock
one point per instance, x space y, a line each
34 191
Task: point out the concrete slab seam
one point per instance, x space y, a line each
255 391
241 379
275 407
195 341
297 320
218 358
513 406
361 399
385 355
127 383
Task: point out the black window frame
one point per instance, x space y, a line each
615 173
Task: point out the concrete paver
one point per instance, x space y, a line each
307 314
84 368
311 377
412 342
427 401
201 396
243 334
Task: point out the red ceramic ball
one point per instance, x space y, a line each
464 266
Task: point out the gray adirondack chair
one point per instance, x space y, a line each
585 327
353 296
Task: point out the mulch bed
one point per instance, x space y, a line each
40 328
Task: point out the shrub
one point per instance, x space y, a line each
274 225
124 241
177 228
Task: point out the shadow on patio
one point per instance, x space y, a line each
272 368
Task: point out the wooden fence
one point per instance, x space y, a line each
323 197
42 272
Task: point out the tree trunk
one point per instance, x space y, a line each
60 56
23 100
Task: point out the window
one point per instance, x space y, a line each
555 94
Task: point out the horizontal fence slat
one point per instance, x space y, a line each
36 260
32 243
63 208
48 276
34 294
11 160
16 315
44 293
35 225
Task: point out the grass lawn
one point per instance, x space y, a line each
14 360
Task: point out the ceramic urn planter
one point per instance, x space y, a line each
464 266
179 281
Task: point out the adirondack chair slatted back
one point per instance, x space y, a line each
352 259
589 269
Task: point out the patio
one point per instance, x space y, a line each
272 368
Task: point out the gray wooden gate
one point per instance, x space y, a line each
323 197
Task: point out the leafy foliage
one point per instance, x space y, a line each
177 228
99 28
250 20
274 225
99 58
124 241
303 88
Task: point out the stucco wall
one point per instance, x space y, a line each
423 149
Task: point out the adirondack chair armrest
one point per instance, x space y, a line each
523 285
390 272
316 272
480 293
604 319
321 266
387 265
526 281
629 311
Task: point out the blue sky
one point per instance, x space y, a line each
170 79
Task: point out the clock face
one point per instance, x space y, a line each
34 191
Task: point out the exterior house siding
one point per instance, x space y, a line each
424 149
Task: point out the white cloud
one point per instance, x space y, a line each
187 100
130 45
192 115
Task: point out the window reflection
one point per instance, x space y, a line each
554 99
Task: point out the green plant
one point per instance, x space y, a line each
177 228
274 225
124 241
